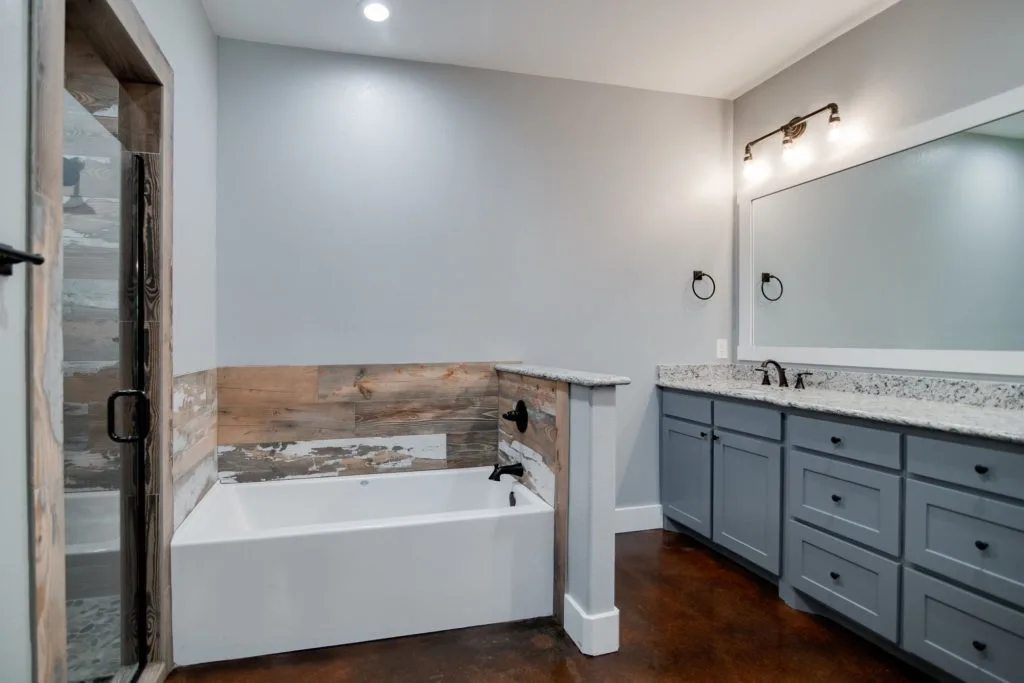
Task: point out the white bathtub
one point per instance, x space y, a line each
291 565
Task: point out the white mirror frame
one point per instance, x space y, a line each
972 362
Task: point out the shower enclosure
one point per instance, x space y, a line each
113 268
105 403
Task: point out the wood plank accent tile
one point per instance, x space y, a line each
275 385
194 440
303 422
194 423
434 416
261 406
330 458
406 382
541 397
45 391
115 29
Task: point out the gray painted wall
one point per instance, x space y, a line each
915 61
15 624
375 211
184 34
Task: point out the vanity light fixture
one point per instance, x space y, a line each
375 10
793 130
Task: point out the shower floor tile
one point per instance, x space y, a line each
94 638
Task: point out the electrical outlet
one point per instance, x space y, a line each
723 348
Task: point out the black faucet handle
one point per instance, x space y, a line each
800 379
765 380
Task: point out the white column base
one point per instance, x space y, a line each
637 518
594 634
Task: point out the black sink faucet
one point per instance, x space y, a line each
783 382
516 470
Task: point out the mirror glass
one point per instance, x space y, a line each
923 249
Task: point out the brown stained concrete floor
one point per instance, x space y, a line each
687 614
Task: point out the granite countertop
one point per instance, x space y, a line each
1003 424
578 377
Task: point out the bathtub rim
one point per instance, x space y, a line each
184 536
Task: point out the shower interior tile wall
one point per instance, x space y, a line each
281 422
91 240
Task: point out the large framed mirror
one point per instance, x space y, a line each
909 255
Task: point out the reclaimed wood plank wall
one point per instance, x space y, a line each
194 440
543 449
279 422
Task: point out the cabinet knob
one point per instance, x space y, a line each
981 545
715 437
836 498
834 575
703 435
836 440
981 469
979 646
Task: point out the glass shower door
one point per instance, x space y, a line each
105 407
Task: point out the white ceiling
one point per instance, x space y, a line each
716 48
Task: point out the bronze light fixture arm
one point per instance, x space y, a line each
793 129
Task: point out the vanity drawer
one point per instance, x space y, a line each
874 446
964 634
856 502
755 420
855 582
976 540
686 407
986 469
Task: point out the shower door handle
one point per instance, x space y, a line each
141 416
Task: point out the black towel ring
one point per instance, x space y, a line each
766 278
700 275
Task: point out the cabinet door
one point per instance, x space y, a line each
748 499
686 474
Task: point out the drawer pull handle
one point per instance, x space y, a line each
836 498
979 646
834 575
981 545
836 440
981 469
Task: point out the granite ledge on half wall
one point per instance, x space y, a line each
884 398
577 377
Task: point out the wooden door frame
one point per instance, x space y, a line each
120 37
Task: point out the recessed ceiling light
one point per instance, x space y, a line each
375 10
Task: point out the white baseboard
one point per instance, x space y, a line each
637 518
594 634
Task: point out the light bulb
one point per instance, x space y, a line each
788 150
756 171
836 132
376 11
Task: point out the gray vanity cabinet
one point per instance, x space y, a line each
915 535
686 474
747 495
721 476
